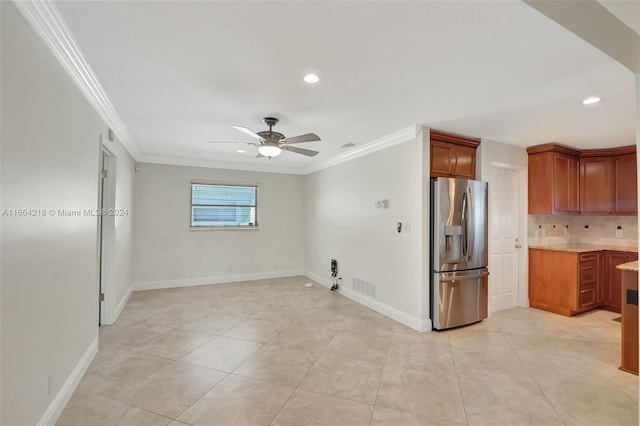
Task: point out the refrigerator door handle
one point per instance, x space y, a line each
469 235
464 277
465 231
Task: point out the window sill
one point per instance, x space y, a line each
223 228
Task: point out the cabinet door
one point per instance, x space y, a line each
626 185
565 184
602 269
613 289
465 162
544 289
596 185
540 183
442 159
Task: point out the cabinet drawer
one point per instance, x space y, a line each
587 297
588 273
586 257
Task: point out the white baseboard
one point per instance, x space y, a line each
220 279
386 310
121 304
64 394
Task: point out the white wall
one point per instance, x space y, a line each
490 151
164 242
344 224
50 141
50 160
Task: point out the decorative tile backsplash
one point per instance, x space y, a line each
562 229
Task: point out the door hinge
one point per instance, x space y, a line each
104 174
102 297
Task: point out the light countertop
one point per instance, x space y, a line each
582 248
631 266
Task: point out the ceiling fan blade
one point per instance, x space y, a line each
246 143
309 137
307 152
248 132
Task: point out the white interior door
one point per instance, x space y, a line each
503 238
106 229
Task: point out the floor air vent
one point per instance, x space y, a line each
365 287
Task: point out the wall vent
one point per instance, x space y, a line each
365 287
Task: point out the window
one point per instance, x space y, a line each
220 206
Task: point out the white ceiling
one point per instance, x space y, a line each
180 73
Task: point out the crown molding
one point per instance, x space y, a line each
401 136
211 164
46 20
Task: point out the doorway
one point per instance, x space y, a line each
106 233
507 236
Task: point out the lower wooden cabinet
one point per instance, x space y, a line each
629 324
613 283
570 283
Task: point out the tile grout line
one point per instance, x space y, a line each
302 380
200 398
384 365
532 377
126 403
455 368
176 363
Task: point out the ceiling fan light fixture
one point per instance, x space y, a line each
270 150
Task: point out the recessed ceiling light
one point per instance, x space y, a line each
311 78
592 100
242 151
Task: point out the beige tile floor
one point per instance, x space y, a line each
273 352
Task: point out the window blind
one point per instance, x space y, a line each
223 205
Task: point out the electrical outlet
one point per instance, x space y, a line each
334 268
174 272
619 232
406 227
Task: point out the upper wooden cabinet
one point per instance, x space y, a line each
553 180
625 196
608 182
453 156
595 182
596 185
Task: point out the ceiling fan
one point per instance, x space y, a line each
271 144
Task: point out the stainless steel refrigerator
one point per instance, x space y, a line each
459 279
